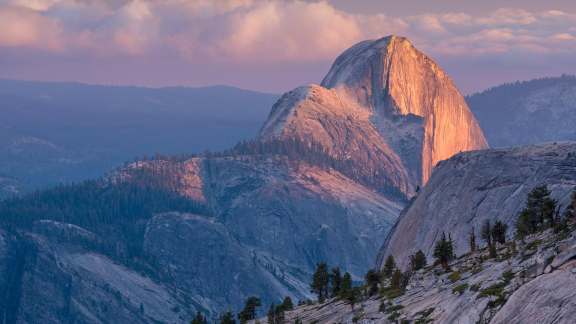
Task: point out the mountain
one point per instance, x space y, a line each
529 112
401 112
473 187
325 180
54 133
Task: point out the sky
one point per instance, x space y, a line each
274 46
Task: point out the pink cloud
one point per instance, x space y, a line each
22 27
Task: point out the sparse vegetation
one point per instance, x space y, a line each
455 276
460 289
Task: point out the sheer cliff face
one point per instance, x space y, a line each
410 110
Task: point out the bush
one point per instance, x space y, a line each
507 277
455 276
460 289
475 287
391 293
394 316
494 290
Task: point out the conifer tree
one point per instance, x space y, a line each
499 232
275 314
486 232
538 214
396 279
199 319
287 304
418 261
320 282
372 281
472 241
389 267
336 281
346 288
249 311
444 251
227 318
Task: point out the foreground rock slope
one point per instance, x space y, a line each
529 283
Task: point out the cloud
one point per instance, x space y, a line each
22 27
253 32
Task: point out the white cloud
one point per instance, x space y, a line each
259 30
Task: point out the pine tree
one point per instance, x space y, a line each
346 288
320 282
275 314
199 319
418 261
472 241
493 253
486 232
523 227
397 280
389 267
336 281
287 304
538 214
249 311
444 251
227 318
372 281
499 232
353 296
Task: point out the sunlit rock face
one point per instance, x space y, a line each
390 97
473 187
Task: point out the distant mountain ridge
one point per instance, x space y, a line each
58 132
528 112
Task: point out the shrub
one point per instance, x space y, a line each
460 289
507 277
494 290
394 316
455 276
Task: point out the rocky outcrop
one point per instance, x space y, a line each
473 187
549 298
407 108
530 112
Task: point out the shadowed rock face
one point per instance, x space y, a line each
472 187
49 274
406 108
